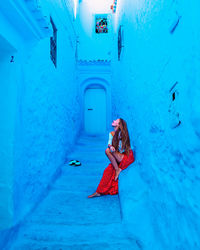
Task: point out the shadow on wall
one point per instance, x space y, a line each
134 202
8 97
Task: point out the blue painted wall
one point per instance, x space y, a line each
7 127
94 46
45 114
159 194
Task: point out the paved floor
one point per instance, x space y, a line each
67 219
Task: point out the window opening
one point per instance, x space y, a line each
53 43
120 42
173 96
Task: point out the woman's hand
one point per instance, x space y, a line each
112 149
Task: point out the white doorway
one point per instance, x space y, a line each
95 111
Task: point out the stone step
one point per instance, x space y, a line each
61 206
84 171
89 152
84 137
66 218
79 182
74 233
35 245
90 146
87 159
96 143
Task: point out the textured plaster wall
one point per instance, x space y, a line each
159 192
45 113
46 122
7 121
47 119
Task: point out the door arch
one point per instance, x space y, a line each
95 110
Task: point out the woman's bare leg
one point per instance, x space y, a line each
114 157
94 195
118 156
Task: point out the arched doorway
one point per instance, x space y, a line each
95 110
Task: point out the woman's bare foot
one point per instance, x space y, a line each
117 172
94 195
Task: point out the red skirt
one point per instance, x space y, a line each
108 185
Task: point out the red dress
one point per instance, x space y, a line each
108 185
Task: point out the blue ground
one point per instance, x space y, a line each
67 219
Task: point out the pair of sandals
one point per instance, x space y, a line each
74 163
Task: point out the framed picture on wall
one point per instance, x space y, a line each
101 24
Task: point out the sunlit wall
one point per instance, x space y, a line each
93 46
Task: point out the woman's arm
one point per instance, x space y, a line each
110 140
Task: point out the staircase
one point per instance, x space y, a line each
67 219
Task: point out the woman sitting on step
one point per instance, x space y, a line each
121 156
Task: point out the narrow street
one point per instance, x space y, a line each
67 219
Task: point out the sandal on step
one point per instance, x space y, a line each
72 162
77 164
